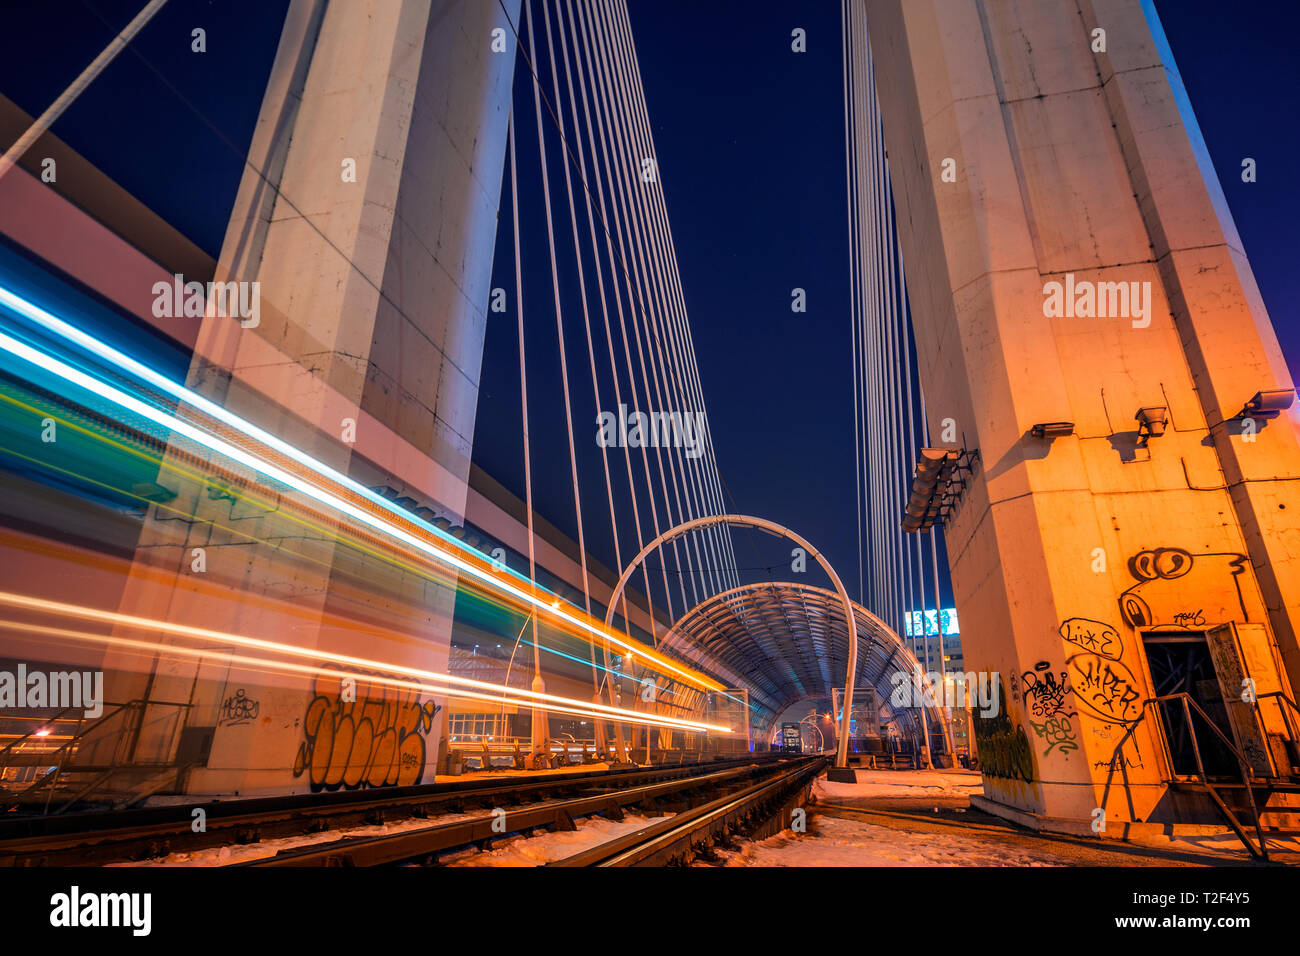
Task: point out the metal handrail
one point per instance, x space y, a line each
1246 773
60 756
1286 717
1280 695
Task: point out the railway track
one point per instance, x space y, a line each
749 792
97 838
759 810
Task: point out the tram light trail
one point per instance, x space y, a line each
268 665
388 553
469 564
464 686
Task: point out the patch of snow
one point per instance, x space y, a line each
549 847
240 853
832 841
903 783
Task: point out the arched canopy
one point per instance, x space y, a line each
788 642
770 527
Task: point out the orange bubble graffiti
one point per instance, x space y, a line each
357 736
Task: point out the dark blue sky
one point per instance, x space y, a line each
750 144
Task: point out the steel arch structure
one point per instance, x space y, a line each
790 640
771 527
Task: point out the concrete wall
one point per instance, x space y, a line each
1070 160
373 293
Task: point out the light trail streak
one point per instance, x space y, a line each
488 574
265 665
392 556
525 697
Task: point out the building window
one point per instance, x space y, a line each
462 727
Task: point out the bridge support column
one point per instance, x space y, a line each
367 219
1070 258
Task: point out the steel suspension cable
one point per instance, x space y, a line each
523 391
677 326
598 111
655 269
850 206
646 290
559 327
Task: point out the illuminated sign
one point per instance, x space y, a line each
949 623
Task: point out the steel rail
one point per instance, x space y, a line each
95 838
427 843
677 839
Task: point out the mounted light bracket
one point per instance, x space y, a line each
1052 429
1269 403
1151 420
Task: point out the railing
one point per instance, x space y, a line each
1285 707
486 746
18 750
498 742
111 743
1243 766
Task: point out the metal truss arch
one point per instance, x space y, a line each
790 641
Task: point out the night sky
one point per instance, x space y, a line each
750 144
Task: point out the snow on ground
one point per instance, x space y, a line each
902 783
549 847
225 855
836 841
832 841
512 851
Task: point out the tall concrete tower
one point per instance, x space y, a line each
1071 259
367 216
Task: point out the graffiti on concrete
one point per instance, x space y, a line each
238 709
1119 760
357 736
1045 697
1103 685
1095 637
1059 734
1044 694
1105 688
1002 745
1173 583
